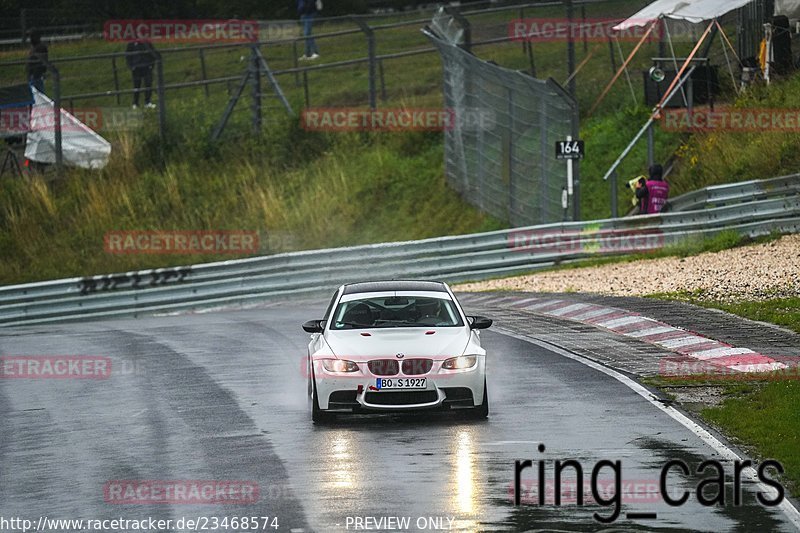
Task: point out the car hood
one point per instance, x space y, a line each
412 342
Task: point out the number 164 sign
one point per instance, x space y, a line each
573 149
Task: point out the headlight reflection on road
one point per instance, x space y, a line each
341 463
465 473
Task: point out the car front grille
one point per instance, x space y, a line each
400 398
415 367
384 367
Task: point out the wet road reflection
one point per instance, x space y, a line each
241 372
464 469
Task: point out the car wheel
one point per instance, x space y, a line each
482 411
318 416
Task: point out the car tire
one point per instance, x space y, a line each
318 416
310 379
481 411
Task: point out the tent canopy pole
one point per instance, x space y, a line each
647 125
624 65
686 63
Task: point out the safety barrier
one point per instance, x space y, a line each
752 208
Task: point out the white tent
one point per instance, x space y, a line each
80 145
790 8
694 11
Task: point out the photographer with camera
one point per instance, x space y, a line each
650 194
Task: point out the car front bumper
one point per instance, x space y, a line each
444 389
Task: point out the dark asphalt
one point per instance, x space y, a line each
222 396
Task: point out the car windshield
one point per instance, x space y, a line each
396 312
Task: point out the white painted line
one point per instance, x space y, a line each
624 321
525 301
510 442
568 309
497 301
543 304
750 473
474 298
720 352
758 367
595 313
683 341
650 331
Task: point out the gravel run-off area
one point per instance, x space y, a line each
753 272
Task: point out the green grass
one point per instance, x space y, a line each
318 191
758 411
304 189
726 157
759 414
765 419
783 312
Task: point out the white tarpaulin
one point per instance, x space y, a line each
694 11
790 8
80 145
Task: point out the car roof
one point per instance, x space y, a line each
387 286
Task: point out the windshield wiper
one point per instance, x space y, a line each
353 324
399 323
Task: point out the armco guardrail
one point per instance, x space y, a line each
458 258
733 193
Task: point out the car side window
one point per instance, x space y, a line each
330 306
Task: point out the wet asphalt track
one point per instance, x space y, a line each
222 396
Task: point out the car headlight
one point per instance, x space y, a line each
339 365
460 363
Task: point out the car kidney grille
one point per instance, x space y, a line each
415 367
384 367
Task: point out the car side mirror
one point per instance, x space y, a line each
479 322
314 326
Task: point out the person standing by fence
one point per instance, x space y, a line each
140 57
307 9
653 194
35 67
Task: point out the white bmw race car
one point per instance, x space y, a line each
396 346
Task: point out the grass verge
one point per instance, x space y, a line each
759 415
298 191
318 190
764 418
784 312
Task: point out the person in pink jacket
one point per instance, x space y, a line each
654 193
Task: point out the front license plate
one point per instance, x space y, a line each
401 383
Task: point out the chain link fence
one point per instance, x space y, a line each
500 151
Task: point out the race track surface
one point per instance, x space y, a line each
222 396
